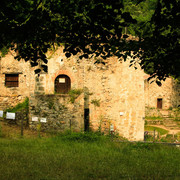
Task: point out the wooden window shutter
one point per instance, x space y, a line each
11 80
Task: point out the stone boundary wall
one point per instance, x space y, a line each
59 112
154 112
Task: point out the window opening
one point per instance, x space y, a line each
11 80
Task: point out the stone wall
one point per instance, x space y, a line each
10 96
176 93
113 94
59 112
117 88
169 92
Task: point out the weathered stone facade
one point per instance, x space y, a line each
168 94
112 94
60 113
10 96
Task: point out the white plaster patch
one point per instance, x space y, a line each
60 60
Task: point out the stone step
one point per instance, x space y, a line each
165 116
169 119
172 127
169 122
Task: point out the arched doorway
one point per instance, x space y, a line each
62 84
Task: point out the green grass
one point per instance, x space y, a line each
86 156
160 130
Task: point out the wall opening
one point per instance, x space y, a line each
11 80
62 84
159 103
86 119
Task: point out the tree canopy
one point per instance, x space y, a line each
161 45
94 28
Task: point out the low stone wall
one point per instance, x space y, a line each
153 112
58 112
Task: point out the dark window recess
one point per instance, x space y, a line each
11 80
86 119
159 103
62 84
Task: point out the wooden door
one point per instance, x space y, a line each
159 103
62 84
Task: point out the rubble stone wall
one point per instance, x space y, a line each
169 92
59 112
112 92
10 96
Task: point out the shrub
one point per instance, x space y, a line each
74 93
96 102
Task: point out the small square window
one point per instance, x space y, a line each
11 80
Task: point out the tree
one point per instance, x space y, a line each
161 46
142 12
94 28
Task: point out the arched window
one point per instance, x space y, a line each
62 84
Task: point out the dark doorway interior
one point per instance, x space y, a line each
86 119
159 103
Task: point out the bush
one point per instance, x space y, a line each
74 93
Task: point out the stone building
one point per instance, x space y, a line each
81 95
77 94
15 78
166 96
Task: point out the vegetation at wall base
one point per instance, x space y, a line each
74 93
19 106
87 156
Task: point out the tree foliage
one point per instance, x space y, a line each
94 28
161 46
142 12
91 26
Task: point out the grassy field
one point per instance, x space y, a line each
85 156
157 129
